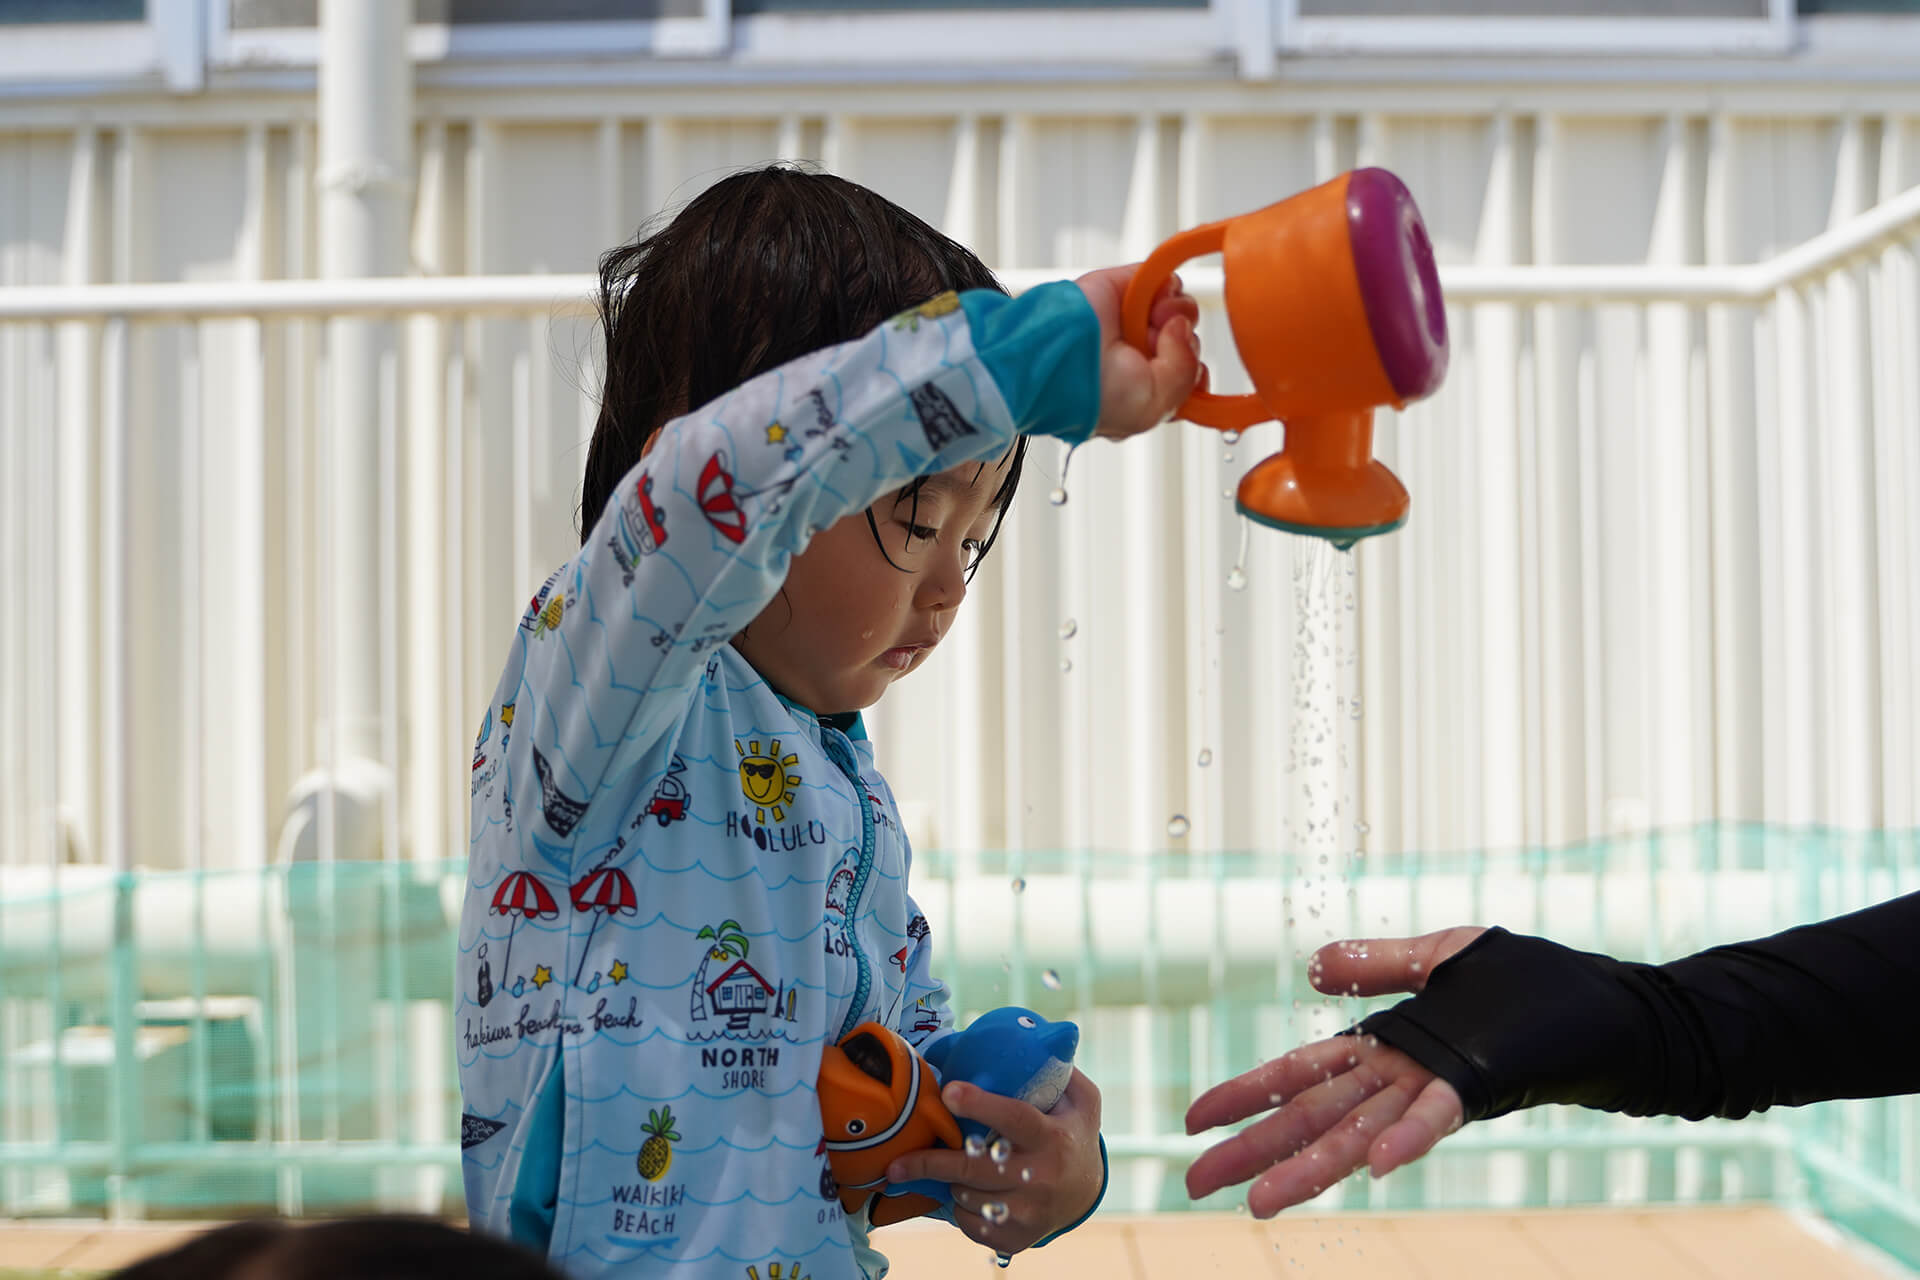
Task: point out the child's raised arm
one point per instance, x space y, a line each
697 538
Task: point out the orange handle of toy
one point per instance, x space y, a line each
1224 413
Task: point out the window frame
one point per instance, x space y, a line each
1465 34
705 35
167 42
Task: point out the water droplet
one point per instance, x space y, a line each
1354 706
1000 1151
1230 437
1058 497
1226 493
1227 456
1237 579
1205 757
1361 827
994 1211
976 1145
1019 884
1069 629
1003 1260
1066 665
1026 1175
1050 979
1178 826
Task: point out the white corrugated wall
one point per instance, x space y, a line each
1661 565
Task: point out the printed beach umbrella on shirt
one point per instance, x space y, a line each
606 891
522 894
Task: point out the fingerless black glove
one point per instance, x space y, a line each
1822 1011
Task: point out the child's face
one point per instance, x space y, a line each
848 624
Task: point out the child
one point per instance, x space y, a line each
687 877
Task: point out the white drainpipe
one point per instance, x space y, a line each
366 194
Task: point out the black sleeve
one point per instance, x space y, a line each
1822 1011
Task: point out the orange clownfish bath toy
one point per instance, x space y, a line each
879 1100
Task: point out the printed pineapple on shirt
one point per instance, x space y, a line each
656 1153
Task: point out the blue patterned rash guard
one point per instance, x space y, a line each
681 886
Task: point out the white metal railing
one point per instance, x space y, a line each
1646 492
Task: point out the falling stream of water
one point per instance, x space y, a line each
1321 758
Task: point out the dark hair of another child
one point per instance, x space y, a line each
759 269
387 1247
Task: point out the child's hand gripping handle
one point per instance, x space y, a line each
1225 413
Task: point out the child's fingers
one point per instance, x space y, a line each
1167 306
1175 366
1023 1124
1005 1236
937 1164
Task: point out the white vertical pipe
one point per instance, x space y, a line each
1499 760
1209 531
1563 814
235 538
1667 716
1013 159
1796 740
366 124
1152 548
789 141
193 592
1314 786
1016 133
1897 472
116 844
838 146
1737 725
18 803
663 160
428 635
1381 569
610 181
77 516
1593 715
1844 442
968 798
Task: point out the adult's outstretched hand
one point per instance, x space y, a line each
1338 1104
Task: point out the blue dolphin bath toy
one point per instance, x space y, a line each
1010 1051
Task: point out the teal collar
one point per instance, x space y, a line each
847 722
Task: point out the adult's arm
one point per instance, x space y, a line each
1821 1011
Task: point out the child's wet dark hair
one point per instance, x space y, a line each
761 268
381 1247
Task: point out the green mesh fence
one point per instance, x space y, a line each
178 1044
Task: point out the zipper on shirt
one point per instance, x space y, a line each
840 751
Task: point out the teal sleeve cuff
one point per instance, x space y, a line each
1042 350
1106 1175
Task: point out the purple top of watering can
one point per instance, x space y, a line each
1398 283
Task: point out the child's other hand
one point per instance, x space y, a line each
1137 393
1049 1181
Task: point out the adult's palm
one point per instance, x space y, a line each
1338 1104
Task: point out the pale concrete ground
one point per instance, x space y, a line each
1603 1244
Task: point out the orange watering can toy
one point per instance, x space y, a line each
1335 308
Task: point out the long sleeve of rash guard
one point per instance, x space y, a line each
1817 1012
